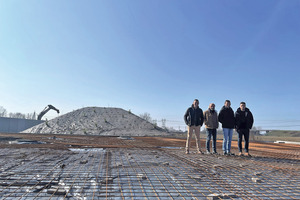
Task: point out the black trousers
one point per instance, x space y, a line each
245 133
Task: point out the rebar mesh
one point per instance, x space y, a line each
145 171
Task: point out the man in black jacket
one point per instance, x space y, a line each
243 123
226 118
193 118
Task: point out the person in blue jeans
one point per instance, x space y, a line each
226 118
210 117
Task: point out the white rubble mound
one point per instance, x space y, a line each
98 121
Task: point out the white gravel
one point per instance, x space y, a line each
98 121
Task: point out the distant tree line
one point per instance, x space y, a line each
4 113
146 116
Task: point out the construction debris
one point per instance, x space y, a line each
55 190
107 180
257 173
256 180
84 161
217 196
142 176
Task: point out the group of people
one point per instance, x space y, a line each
242 120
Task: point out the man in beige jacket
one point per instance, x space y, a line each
210 117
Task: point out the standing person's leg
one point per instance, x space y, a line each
208 138
246 136
188 139
240 134
197 134
230 132
225 141
214 142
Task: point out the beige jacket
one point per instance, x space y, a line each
211 119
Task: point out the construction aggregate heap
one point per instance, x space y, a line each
98 121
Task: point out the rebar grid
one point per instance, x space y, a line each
237 172
144 171
261 149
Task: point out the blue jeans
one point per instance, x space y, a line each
227 137
213 133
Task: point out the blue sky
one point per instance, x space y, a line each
152 56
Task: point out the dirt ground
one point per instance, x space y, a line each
263 149
38 166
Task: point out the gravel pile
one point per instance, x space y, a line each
98 121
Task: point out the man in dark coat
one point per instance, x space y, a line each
193 118
243 123
226 118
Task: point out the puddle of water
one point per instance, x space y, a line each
86 150
286 142
125 138
8 138
25 142
171 147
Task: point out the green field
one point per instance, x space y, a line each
293 136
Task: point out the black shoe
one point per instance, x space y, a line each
215 152
225 154
207 152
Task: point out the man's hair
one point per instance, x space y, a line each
227 101
243 103
196 100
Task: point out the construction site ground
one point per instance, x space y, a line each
36 166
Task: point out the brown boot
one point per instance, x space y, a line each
199 152
247 154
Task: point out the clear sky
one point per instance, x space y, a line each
152 56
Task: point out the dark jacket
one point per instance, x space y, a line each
243 120
226 117
193 117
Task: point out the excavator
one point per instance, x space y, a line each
46 109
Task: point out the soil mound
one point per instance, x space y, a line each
98 121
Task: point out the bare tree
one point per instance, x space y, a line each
154 122
146 116
3 112
31 115
163 123
17 115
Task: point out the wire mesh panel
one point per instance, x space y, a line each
143 171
